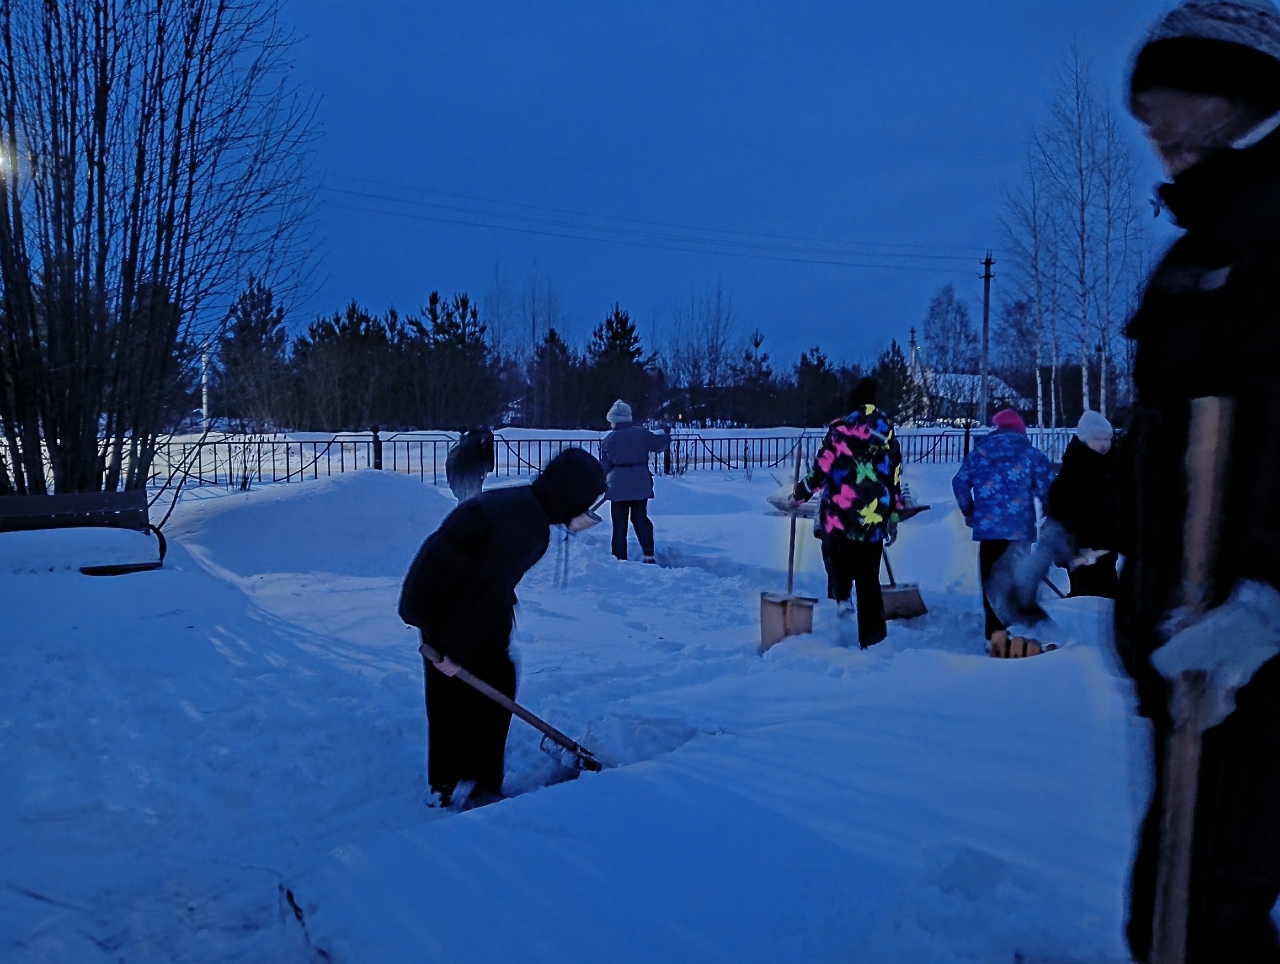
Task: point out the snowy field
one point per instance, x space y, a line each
223 761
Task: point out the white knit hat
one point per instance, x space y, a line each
1094 427
619 414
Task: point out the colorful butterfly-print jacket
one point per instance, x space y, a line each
859 467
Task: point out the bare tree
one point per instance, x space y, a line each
1121 242
151 156
951 344
701 343
540 305
1070 149
1029 234
499 305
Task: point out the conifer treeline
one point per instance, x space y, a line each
439 369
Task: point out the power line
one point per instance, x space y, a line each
647 235
763 236
636 243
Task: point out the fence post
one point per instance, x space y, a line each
967 430
377 449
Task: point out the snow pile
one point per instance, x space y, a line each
223 760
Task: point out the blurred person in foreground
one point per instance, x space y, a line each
1201 507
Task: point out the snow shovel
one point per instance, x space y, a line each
580 758
783 615
1193 694
901 601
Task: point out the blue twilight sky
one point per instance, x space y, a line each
799 132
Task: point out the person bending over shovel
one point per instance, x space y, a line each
460 592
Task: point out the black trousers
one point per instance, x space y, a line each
1235 872
467 731
856 563
1100 579
989 553
639 513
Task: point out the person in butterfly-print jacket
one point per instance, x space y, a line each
859 470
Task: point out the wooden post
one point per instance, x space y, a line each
377 449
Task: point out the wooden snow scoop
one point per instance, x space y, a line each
901 601
1193 694
786 614
583 759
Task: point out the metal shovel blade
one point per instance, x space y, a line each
570 759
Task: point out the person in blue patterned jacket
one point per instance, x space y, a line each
996 489
859 469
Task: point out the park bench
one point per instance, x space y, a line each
116 510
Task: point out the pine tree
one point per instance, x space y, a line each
898 392
619 367
251 359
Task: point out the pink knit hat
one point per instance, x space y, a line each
1009 418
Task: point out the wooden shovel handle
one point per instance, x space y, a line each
511 706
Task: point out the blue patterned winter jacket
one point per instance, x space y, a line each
998 484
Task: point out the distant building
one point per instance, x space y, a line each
955 396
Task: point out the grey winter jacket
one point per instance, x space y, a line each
624 453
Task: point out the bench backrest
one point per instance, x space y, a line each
118 510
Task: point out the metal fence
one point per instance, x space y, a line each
255 460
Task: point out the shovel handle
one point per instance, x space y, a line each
1052 585
589 762
888 568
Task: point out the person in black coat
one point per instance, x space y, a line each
460 592
1200 515
468 462
1082 500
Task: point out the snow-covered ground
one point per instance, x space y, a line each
224 760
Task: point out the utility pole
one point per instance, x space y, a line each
984 389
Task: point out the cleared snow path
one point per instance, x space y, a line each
178 749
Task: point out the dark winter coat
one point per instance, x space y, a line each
460 588
1208 325
1083 497
859 468
470 459
998 484
624 453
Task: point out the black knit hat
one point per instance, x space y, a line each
864 393
1198 66
1225 48
569 485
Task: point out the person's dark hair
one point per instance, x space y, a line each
569 485
864 393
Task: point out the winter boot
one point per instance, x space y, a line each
846 623
650 560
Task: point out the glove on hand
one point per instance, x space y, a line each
1087 557
1229 644
891 534
800 493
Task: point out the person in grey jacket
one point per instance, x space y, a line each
624 453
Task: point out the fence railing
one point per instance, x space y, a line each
256 460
